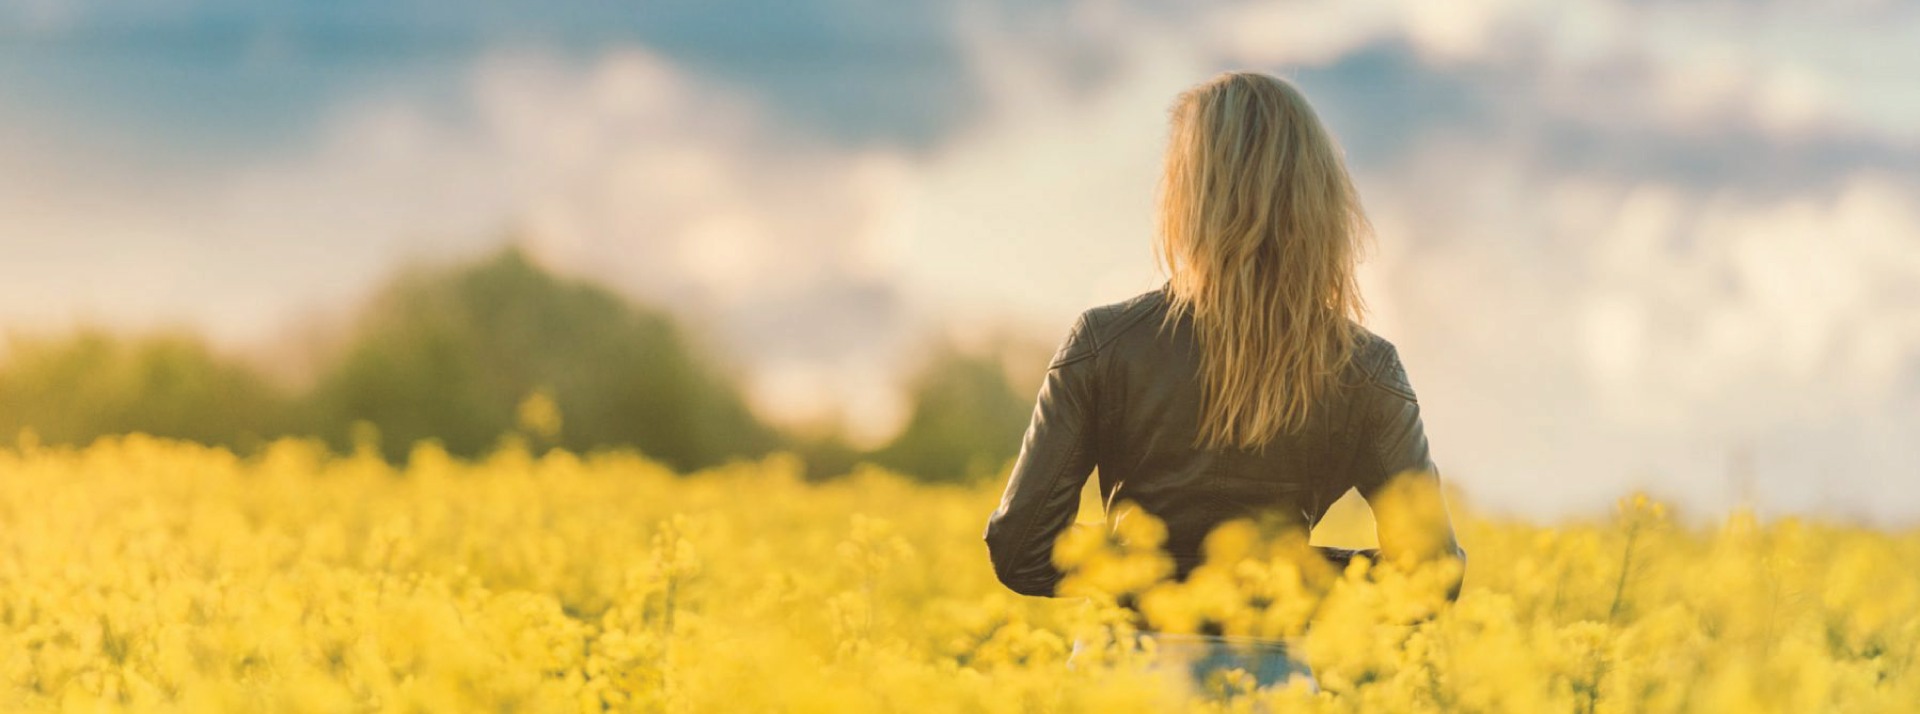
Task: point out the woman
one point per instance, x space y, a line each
1244 386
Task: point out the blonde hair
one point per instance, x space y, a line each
1259 227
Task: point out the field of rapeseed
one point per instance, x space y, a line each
148 575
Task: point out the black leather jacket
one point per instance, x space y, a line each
1124 397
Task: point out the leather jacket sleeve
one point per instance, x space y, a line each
1394 444
1043 492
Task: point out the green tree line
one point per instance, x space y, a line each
452 353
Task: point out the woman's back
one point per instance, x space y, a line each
1122 394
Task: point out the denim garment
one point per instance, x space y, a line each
1199 656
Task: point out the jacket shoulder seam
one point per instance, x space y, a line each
1131 311
1080 344
1099 326
1384 370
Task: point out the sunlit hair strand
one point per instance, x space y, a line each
1258 228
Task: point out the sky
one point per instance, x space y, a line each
1671 246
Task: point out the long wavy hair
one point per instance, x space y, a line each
1259 229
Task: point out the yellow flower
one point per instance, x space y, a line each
142 574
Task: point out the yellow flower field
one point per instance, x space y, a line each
147 575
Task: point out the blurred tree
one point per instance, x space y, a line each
452 352
467 354
71 389
825 455
967 418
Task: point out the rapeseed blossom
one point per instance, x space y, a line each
141 575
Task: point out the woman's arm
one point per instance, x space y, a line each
1396 473
1043 493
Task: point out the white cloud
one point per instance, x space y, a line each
1576 336
1043 208
1304 33
1788 69
1317 32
